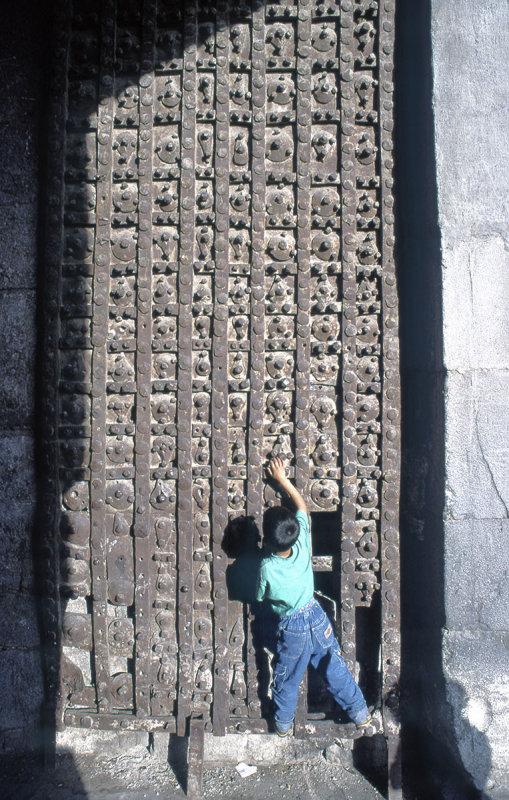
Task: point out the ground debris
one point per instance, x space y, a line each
140 776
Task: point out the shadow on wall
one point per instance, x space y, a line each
450 779
23 48
432 761
25 779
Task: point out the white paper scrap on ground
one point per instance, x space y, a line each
245 770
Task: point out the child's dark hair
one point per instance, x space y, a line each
280 529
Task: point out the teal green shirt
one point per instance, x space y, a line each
287 583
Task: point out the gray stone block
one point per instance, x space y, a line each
476 572
477 446
260 749
470 111
17 507
17 360
81 741
476 302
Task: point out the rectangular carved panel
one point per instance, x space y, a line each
220 289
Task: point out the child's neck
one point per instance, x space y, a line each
285 553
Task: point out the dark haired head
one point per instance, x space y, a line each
280 529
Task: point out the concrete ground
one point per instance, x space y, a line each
310 773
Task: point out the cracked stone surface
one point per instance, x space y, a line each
477 575
477 447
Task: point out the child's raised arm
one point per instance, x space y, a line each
276 470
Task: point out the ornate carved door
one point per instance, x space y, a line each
220 288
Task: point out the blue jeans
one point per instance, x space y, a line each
304 637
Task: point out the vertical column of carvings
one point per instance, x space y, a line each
203 327
303 332
121 356
240 379
369 267
246 279
76 464
143 528
280 247
280 243
255 417
257 328
239 287
166 130
390 413
220 375
325 289
48 551
303 247
101 290
348 331
185 372
368 271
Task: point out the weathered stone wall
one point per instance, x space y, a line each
453 236
21 69
470 101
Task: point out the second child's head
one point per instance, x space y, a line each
280 529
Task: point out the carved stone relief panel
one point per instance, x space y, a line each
226 293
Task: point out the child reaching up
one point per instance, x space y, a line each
305 633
